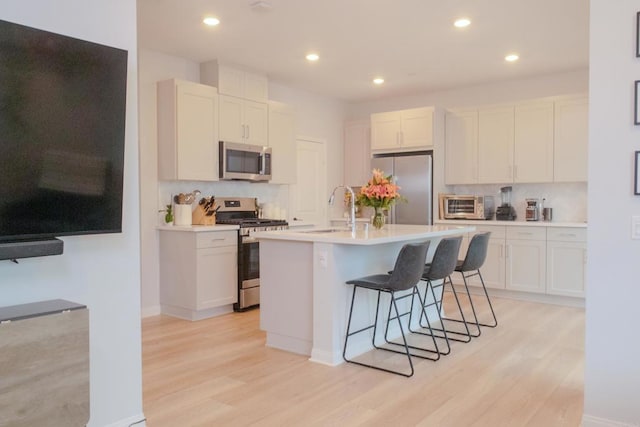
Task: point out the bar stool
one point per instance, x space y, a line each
441 267
406 275
470 266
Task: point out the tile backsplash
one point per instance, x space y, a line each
568 200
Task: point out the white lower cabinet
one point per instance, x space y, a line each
543 260
493 269
198 273
566 261
526 259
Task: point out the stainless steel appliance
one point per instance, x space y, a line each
244 162
413 172
505 212
242 211
456 206
533 209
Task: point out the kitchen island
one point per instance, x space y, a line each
304 301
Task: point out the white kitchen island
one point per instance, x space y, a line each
304 301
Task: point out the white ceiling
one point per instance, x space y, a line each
412 43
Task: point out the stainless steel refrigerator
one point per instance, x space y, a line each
413 172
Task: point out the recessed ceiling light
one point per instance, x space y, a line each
211 21
378 80
312 57
462 22
512 57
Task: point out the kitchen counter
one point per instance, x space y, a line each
304 301
198 228
390 233
511 223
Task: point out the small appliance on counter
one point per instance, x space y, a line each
456 206
506 212
533 209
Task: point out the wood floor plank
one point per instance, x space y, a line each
527 371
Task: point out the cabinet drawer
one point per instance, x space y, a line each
497 231
216 239
527 233
568 234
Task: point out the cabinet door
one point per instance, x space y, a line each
566 268
416 128
216 277
282 141
461 147
525 267
385 130
571 137
231 126
255 117
495 145
230 81
493 269
197 138
256 87
533 149
357 155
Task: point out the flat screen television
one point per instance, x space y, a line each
62 135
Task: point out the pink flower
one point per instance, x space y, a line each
380 191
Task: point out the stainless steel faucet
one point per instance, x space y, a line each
352 217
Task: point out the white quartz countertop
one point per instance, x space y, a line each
512 223
365 235
197 228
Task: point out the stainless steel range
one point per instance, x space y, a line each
243 212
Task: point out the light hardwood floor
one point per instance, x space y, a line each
217 372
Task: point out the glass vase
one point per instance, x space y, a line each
378 219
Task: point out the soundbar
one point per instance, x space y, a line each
30 249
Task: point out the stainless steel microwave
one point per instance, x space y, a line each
244 162
456 206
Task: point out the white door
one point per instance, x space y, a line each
308 197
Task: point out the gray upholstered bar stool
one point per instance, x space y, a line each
470 267
406 275
442 265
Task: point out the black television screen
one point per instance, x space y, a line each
62 133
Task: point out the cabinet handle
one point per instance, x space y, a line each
525 233
218 240
567 234
510 173
515 172
248 131
242 131
401 138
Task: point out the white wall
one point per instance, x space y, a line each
612 371
101 271
317 117
490 93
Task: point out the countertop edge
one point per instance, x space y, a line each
197 228
366 238
481 222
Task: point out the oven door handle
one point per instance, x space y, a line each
249 240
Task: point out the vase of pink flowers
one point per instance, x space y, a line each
380 193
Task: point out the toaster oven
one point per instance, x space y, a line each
456 206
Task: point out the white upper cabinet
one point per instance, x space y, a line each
357 154
533 148
243 121
495 145
461 147
187 131
234 81
571 137
282 140
402 130
541 141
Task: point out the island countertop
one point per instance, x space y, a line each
390 233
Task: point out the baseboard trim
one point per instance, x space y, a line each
133 421
591 421
150 311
